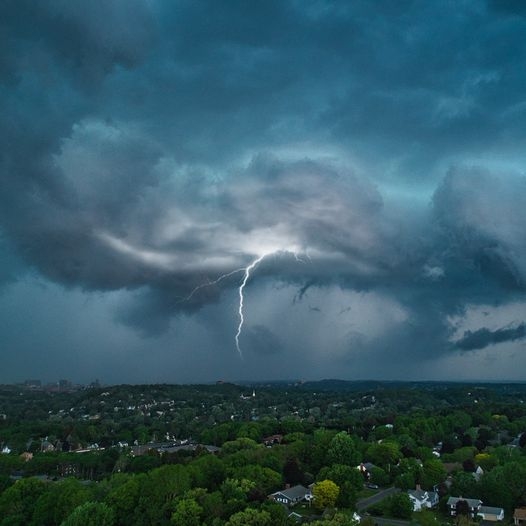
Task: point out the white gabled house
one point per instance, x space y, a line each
422 499
472 504
476 509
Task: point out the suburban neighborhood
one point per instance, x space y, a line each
321 452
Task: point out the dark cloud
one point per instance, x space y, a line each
148 148
481 338
481 223
261 340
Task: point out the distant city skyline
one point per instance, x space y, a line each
194 191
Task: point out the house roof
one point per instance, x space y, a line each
491 510
417 494
473 503
296 492
520 513
367 466
420 494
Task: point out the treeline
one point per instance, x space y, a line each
211 490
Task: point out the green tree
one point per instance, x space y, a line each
464 484
240 444
187 513
250 517
278 513
57 503
486 461
292 472
213 505
405 481
462 508
342 450
125 498
400 506
5 482
158 492
379 476
316 452
266 479
384 454
91 514
235 493
504 486
325 494
348 478
17 503
250 430
207 471
433 473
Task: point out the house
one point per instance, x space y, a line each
478 473
296 516
519 517
46 446
473 505
272 440
422 499
26 456
487 513
365 469
291 496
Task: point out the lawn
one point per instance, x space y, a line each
366 492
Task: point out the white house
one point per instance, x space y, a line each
478 473
487 513
473 505
423 499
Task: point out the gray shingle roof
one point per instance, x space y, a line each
296 492
473 503
490 510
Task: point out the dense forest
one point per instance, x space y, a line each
215 454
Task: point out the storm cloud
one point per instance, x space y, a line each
484 337
372 153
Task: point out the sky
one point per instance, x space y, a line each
356 168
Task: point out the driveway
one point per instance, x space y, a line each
378 497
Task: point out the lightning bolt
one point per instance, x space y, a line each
210 283
241 289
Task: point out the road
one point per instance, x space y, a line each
378 497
